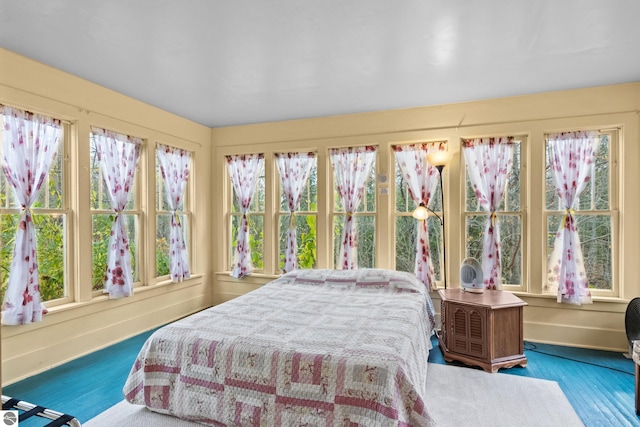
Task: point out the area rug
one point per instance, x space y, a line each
457 397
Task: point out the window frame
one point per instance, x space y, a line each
434 222
69 291
230 213
139 182
279 213
615 142
531 200
523 140
187 212
334 214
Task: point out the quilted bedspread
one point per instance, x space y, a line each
313 348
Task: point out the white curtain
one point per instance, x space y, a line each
174 166
351 167
571 155
29 147
294 171
489 162
244 170
422 179
118 155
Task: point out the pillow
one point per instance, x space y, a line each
374 279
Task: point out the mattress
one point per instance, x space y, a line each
313 347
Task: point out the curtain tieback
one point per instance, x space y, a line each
118 214
349 214
493 218
174 214
292 221
28 214
568 212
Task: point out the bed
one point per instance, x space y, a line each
313 347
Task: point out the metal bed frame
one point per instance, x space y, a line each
28 410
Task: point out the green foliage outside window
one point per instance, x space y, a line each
365 237
8 224
50 228
100 243
306 239
163 236
256 238
50 231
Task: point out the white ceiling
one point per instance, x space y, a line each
234 62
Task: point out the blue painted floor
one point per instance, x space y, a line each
83 387
599 384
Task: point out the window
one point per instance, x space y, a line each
255 216
509 214
406 231
304 220
365 212
593 213
103 214
50 217
163 212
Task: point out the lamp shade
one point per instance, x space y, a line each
421 212
439 158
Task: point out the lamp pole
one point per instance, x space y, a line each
443 267
438 159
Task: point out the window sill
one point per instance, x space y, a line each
595 298
99 302
600 303
195 279
258 276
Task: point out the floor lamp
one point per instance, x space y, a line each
438 159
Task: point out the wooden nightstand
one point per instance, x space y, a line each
482 329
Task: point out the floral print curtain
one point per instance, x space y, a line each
294 171
244 170
571 157
351 167
118 156
421 178
30 145
174 166
489 162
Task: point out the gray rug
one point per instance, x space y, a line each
457 397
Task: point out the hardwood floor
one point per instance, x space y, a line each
599 384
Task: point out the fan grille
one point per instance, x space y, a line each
467 274
632 321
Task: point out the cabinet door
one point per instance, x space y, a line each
468 330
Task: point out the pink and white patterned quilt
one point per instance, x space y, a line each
312 348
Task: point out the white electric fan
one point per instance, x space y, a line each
471 276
